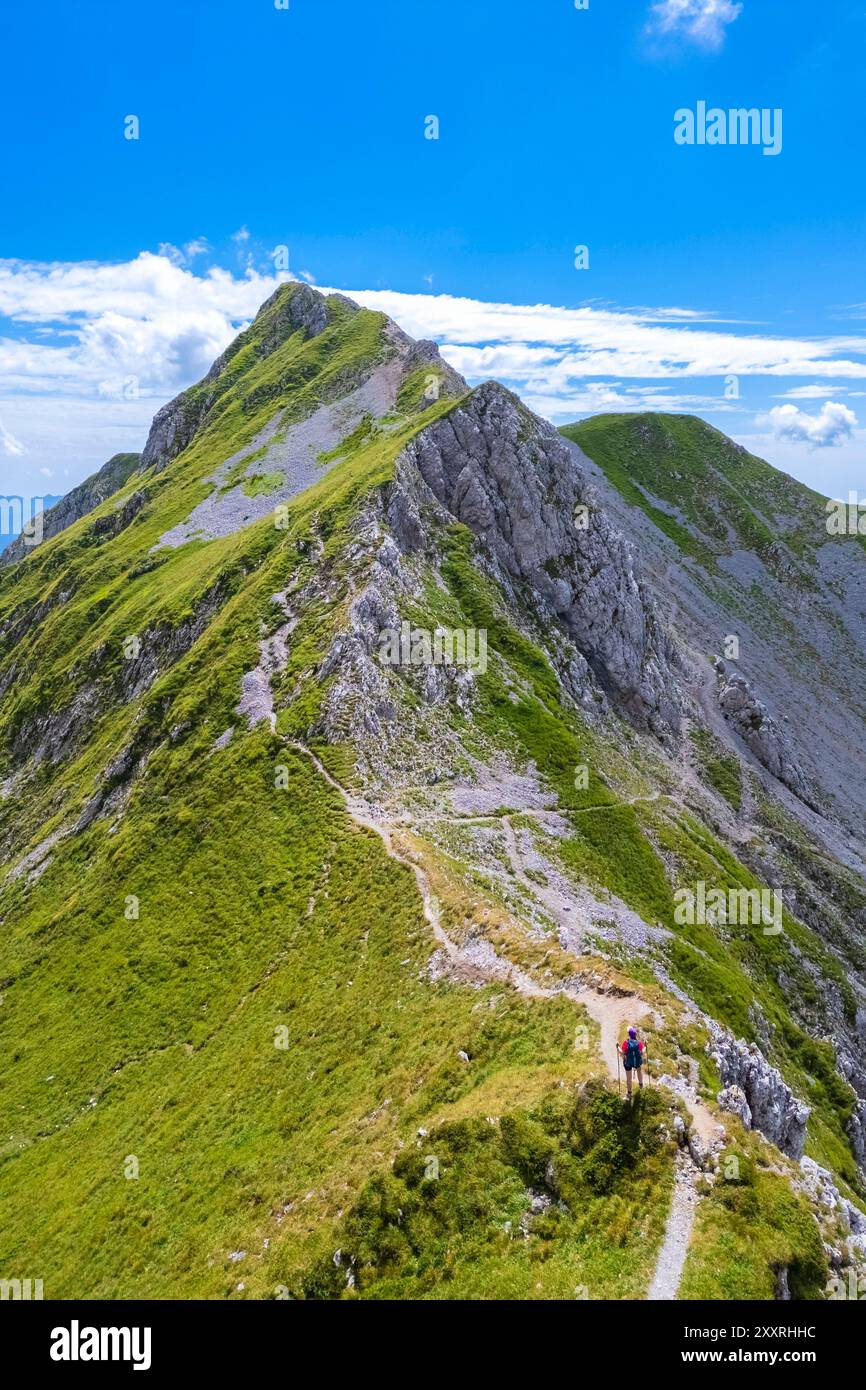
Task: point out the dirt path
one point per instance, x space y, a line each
674 1248
533 812
494 966
612 1013
362 814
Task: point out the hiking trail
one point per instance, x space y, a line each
674 1248
611 1012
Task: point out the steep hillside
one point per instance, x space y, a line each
317 945
736 549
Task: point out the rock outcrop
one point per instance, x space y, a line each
55 734
508 476
755 1091
751 720
843 1227
857 1133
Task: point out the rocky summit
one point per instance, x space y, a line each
361 741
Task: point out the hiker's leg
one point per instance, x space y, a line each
640 1077
628 1082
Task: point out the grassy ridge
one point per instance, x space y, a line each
215 997
717 497
455 1218
149 966
155 1039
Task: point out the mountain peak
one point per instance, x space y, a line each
295 307
302 348
345 593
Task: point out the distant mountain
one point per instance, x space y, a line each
6 538
733 547
370 759
62 512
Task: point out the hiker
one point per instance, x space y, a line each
633 1058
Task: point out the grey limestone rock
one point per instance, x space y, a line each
752 721
508 476
755 1090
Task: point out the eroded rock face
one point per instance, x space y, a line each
840 1220
857 1133
171 430
54 735
733 1099
751 720
361 699
359 702
756 1092
508 476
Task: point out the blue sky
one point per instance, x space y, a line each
126 265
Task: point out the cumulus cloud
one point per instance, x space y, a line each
833 424
703 22
150 318
122 338
528 341
84 328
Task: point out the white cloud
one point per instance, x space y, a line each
832 472
526 340
12 447
198 247
704 22
833 424
71 436
596 397
813 392
171 253
78 331
150 318
94 325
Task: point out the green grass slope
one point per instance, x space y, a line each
715 496
214 1007
221 1038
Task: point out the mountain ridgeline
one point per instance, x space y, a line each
319 935
11 521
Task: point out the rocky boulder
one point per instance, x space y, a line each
756 1092
751 720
